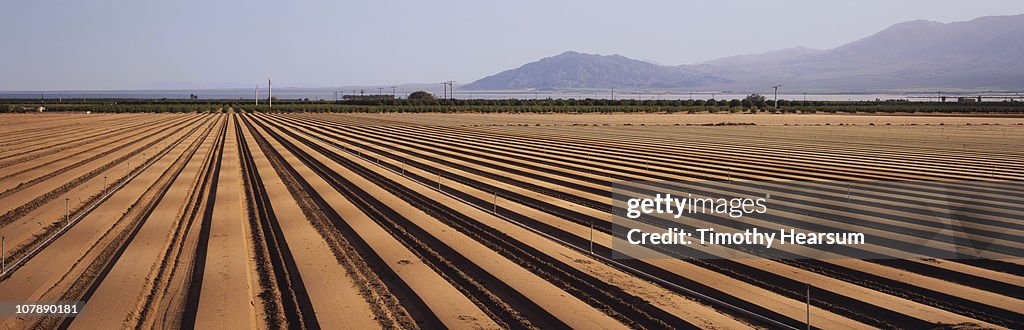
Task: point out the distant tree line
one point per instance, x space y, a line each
752 103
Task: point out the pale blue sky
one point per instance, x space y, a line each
133 44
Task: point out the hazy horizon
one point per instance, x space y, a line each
124 45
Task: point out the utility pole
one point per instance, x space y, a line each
270 94
256 94
392 91
451 88
776 87
613 94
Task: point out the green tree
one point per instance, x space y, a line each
421 95
757 100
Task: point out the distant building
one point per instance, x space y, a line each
968 99
368 97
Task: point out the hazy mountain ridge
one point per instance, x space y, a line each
577 70
770 56
983 53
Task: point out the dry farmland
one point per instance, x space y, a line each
312 220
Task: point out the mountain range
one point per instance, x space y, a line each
982 54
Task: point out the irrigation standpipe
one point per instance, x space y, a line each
808 305
591 236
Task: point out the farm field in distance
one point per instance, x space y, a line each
242 219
